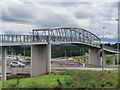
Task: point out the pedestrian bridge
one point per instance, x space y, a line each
55 36
41 40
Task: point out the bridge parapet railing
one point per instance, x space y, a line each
20 39
57 35
109 48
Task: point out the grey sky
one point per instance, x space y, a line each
20 17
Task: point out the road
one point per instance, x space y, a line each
26 70
83 68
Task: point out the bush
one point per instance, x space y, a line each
90 79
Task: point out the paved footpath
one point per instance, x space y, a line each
84 68
26 70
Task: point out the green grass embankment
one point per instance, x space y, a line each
67 79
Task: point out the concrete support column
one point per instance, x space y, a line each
94 58
113 59
40 59
3 72
104 58
48 58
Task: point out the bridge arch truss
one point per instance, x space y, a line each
66 35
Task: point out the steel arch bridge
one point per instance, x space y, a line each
41 40
57 35
66 35
53 36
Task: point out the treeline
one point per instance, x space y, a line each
68 50
112 45
57 50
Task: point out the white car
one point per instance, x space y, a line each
17 64
71 59
14 58
71 63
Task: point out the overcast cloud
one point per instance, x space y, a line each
20 17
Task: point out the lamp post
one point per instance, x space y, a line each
103 34
71 54
103 50
24 53
118 44
65 55
80 57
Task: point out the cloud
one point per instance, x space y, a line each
22 17
15 28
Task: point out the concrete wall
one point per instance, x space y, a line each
40 59
94 57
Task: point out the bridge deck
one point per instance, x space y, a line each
70 35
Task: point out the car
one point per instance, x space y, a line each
80 64
79 60
17 64
71 63
14 58
71 59
20 60
85 60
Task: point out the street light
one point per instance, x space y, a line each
65 55
71 54
118 43
24 53
103 34
80 53
103 50
80 56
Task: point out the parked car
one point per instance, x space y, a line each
17 64
71 63
20 60
14 58
79 60
85 60
71 59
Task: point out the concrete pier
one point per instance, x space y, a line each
40 59
3 73
48 61
94 58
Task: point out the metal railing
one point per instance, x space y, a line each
42 38
54 35
110 48
21 38
69 35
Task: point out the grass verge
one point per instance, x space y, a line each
67 79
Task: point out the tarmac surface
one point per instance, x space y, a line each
26 69
56 64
